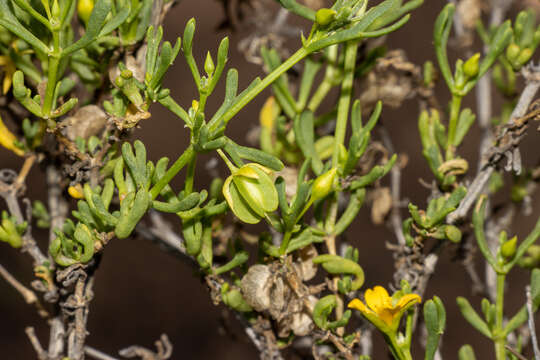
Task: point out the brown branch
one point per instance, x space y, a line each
28 295
507 142
530 322
164 350
41 353
395 186
96 354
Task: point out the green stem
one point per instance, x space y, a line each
452 126
190 176
500 340
344 102
52 75
269 79
228 162
188 154
320 94
398 351
285 242
328 81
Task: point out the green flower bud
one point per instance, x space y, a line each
233 298
508 248
250 192
325 16
429 73
524 56
532 258
518 193
512 52
323 185
452 233
471 67
209 66
84 9
126 74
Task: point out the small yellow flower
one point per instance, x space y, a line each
383 311
9 70
76 191
7 139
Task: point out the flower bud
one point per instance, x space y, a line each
471 67
524 56
323 185
209 66
325 16
512 52
84 9
76 191
250 193
452 233
508 248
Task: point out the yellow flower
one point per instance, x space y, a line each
9 70
382 310
7 139
76 191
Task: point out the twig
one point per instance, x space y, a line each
96 354
28 295
532 328
9 190
58 207
56 337
515 353
164 350
481 179
41 353
395 186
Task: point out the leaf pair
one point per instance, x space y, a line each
431 223
10 231
77 247
335 264
322 310
460 83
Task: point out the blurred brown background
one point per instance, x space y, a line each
142 292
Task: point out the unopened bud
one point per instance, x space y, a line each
524 56
324 184
508 248
512 52
452 233
471 67
209 66
325 16
84 9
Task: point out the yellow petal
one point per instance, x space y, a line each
358 305
387 315
407 299
76 191
7 139
268 113
377 298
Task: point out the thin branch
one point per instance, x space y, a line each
507 143
515 353
96 354
28 295
532 328
164 350
41 353
395 186
58 207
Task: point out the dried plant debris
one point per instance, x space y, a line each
393 80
